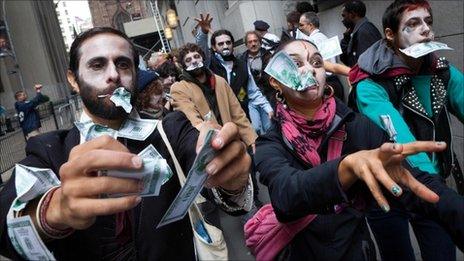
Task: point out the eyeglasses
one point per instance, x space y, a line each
226 43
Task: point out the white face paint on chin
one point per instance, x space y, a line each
415 27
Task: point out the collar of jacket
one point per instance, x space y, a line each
189 78
359 24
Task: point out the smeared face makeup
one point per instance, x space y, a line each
106 63
415 27
193 62
224 45
308 60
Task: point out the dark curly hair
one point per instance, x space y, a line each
189 48
392 16
144 97
167 69
75 54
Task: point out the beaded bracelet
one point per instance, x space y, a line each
45 228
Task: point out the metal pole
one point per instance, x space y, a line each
10 40
155 11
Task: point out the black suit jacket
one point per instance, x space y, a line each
171 242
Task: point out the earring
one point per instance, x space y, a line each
280 98
328 91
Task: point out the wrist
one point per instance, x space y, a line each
53 214
346 176
229 192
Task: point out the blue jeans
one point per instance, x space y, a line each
391 232
259 119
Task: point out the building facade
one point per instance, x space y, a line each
136 18
39 54
66 22
238 17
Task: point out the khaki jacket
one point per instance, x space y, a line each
189 98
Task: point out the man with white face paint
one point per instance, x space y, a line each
75 219
222 61
416 95
200 92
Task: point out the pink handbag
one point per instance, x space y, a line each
265 236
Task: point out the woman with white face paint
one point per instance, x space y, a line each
412 99
298 162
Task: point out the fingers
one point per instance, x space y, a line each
388 150
97 160
418 188
104 142
88 208
374 188
234 150
382 176
101 185
422 146
226 135
233 176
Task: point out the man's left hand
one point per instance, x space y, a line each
230 167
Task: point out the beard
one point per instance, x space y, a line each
197 72
227 55
102 107
348 24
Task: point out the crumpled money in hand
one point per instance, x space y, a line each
122 98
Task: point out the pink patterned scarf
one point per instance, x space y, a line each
306 135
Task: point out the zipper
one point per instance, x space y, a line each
429 120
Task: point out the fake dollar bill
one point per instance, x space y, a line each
193 185
154 174
31 182
420 49
26 240
137 129
283 69
151 152
329 48
122 98
149 175
90 131
387 124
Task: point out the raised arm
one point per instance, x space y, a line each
201 37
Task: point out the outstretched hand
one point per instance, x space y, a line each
385 166
77 202
204 22
230 167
